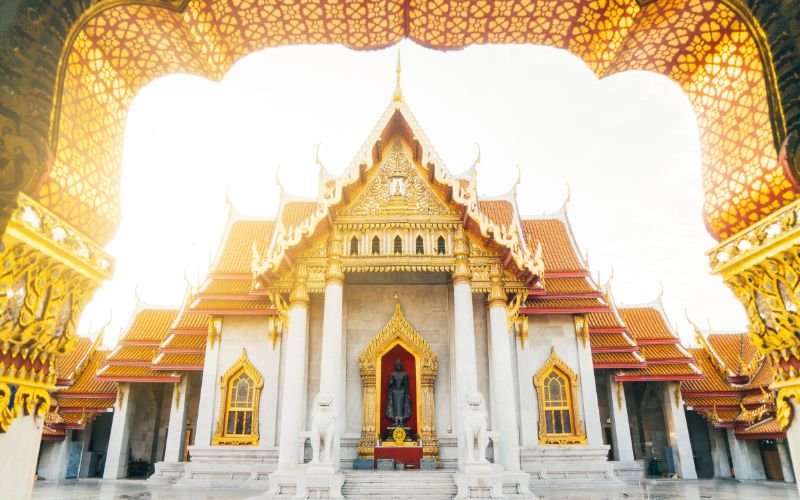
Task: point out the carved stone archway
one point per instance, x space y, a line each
398 331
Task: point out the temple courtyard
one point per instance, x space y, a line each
712 489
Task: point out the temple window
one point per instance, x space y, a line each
240 390
440 250
398 244
376 245
557 391
420 247
354 246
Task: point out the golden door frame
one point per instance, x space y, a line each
398 332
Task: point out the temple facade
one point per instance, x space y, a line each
399 320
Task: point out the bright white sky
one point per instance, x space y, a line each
627 146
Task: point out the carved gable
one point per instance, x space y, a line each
398 188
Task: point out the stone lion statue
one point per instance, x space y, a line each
323 429
476 437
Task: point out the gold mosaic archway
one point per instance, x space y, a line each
398 331
577 434
713 49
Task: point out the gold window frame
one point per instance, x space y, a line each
578 435
242 365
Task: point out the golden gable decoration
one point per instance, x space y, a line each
554 406
398 331
237 410
397 189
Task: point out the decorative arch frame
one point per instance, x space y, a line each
398 331
242 365
578 435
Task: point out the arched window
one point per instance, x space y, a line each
354 246
420 248
240 391
557 407
440 246
557 390
376 245
398 245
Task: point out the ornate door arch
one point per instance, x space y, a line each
398 332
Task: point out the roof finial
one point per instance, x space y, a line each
228 201
398 93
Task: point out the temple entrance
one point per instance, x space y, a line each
398 369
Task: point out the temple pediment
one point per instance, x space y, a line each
397 178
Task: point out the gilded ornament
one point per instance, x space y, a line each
582 328
398 331
214 330
242 367
577 435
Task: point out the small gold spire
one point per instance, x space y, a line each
398 94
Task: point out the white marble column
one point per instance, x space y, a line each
747 463
20 448
294 377
117 454
86 455
786 461
793 441
719 453
502 377
332 357
591 410
176 432
620 426
678 430
207 406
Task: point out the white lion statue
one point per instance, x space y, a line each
323 429
476 438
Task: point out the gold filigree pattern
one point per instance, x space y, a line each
707 47
26 400
398 331
577 432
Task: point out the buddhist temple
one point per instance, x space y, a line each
398 320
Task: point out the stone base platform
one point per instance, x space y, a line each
629 472
219 467
568 466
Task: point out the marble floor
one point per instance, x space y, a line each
648 490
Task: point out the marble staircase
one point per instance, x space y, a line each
397 485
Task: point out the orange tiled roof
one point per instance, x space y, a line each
149 325
712 382
558 251
260 304
604 320
295 212
767 426
569 286
86 383
616 358
730 400
181 342
190 320
676 372
67 363
655 353
171 361
135 374
501 212
581 304
646 323
237 251
126 354
735 349
88 403
239 287
610 340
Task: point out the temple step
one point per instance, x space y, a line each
386 485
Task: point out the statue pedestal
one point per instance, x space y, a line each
479 480
320 481
401 454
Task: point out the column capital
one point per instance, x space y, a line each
299 295
497 293
461 273
334 274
